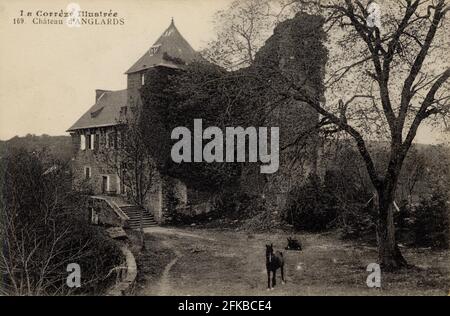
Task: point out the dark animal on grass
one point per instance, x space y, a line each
274 261
293 244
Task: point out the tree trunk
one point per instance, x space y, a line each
141 229
389 255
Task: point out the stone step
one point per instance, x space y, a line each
133 210
126 208
137 213
144 220
139 217
134 213
143 225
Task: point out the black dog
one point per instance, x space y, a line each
293 244
274 261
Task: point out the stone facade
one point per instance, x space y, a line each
98 129
89 169
298 156
98 132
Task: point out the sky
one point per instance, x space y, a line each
49 73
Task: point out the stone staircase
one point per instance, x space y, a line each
134 213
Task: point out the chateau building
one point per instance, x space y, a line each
99 127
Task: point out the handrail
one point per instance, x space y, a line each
113 205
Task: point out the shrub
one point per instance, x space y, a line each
310 207
431 222
225 203
357 222
336 202
171 204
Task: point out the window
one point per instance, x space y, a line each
97 112
102 139
105 184
154 49
111 140
82 142
94 216
107 140
88 141
92 141
123 173
123 139
87 173
142 79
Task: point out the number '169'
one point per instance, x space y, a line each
18 21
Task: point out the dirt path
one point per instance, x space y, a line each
175 232
211 262
164 285
164 288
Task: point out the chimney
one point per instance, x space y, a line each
99 93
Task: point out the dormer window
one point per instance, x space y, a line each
96 113
154 49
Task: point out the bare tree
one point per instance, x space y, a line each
129 157
390 81
241 31
242 28
386 76
43 228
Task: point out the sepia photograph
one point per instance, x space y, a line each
224 148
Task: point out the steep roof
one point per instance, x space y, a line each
170 43
105 112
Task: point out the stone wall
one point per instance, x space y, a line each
95 160
105 214
154 199
134 84
199 201
296 162
291 49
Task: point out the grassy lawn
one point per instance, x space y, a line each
225 262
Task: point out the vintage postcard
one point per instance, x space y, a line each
223 148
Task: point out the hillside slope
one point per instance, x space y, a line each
60 147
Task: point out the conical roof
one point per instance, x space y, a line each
169 47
